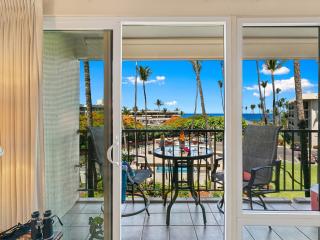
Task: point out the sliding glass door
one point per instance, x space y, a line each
80 137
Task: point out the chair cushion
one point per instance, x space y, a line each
141 175
246 176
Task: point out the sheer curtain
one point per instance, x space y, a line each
21 124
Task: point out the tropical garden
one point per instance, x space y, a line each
277 114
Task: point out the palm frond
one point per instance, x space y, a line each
264 84
144 72
196 65
273 64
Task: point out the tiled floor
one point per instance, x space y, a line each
186 223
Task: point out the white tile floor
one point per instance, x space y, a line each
186 223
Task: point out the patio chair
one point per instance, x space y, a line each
134 177
261 168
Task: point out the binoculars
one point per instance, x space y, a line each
42 228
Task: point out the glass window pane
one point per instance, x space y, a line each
280 90
176 109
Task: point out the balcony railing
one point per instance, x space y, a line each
144 142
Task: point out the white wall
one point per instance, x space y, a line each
61 109
140 8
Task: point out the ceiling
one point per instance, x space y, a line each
280 32
199 42
192 31
172 31
215 31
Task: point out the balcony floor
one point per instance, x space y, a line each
186 223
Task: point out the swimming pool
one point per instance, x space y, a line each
167 169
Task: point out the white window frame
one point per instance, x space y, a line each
278 218
235 218
230 215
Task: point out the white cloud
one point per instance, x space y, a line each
281 71
171 103
131 79
160 78
250 88
285 85
99 101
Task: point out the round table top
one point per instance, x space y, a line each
175 152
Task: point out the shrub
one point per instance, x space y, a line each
199 122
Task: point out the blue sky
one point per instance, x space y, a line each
283 79
173 82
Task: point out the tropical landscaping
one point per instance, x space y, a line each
144 136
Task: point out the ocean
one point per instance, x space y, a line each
251 117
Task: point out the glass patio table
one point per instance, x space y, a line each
182 159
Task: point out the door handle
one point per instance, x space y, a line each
109 156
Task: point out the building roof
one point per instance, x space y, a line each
307 96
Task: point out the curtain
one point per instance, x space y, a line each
21 123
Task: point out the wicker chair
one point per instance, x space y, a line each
260 165
134 177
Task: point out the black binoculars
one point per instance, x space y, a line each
42 228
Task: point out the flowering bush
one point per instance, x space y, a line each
98 120
128 122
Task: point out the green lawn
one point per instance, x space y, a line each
288 181
157 192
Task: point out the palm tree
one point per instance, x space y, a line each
159 103
264 85
260 94
246 108
195 105
272 65
286 108
278 90
125 110
252 106
197 65
144 73
164 110
220 84
88 92
281 105
302 125
259 108
278 111
92 174
135 108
